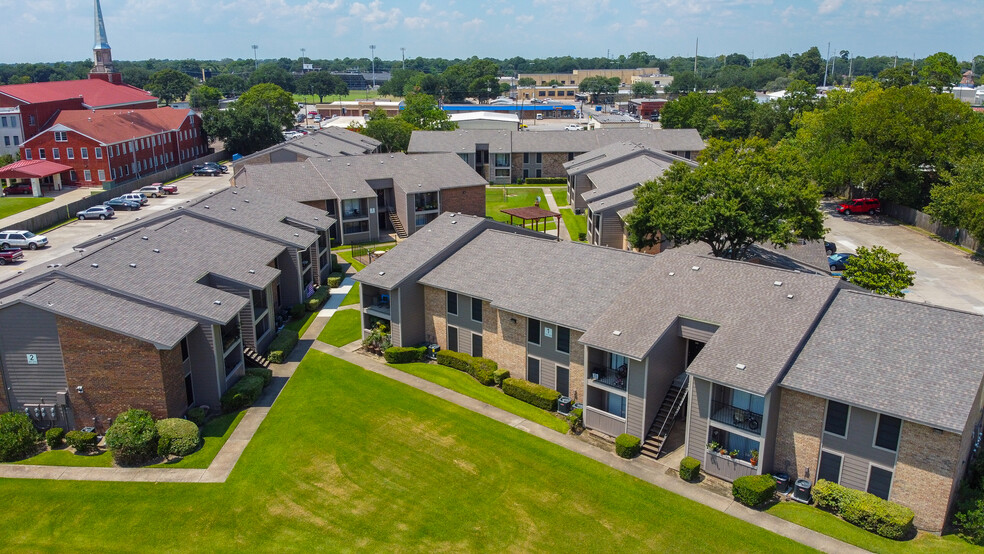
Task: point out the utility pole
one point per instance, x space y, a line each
850 71
403 56
825 64
254 57
696 46
372 48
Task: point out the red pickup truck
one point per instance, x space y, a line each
10 256
168 188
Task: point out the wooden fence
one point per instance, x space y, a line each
912 216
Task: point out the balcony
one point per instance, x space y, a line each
425 202
736 417
380 306
611 377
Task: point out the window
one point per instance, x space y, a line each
99 153
532 370
6 141
476 345
836 423
13 122
70 153
352 208
55 154
502 160
356 227
102 175
3 121
533 331
16 140
31 120
27 154
41 154
112 173
452 303
539 157
452 338
526 157
830 467
87 175
184 349
563 381
85 153
60 136
476 309
539 173
189 390
72 176
879 482
563 339
615 404
887 435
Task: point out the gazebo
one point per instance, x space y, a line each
534 214
35 170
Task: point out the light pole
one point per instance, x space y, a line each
254 57
372 48
403 56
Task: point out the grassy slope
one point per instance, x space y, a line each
349 460
12 205
466 385
575 224
343 328
515 197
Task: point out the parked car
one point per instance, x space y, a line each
153 191
21 239
839 261
317 117
217 167
96 212
19 188
169 188
573 127
120 203
654 116
869 206
135 197
11 256
829 247
205 171
312 113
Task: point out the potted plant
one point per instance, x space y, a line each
755 458
723 452
733 454
713 446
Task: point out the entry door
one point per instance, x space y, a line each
453 339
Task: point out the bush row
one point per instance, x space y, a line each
531 393
546 180
282 345
316 300
865 510
335 280
54 437
627 446
242 394
262 373
754 490
404 354
481 369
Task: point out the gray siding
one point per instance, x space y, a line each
603 422
635 408
290 278
700 399
854 472
612 235
725 468
463 319
404 208
28 330
767 450
205 364
282 155
245 314
860 440
666 361
547 350
410 330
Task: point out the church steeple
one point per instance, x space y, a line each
102 55
102 43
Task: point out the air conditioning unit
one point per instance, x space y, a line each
432 350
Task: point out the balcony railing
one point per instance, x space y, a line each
611 377
736 417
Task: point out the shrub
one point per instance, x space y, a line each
500 375
575 420
197 415
335 280
82 441
969 517
754 490
531 393
242 394
457 360
296 311
132 438
831 496
334 263
18 437
582 237
546 180
316 300
261 372
282 345
689 468
627 446
404 354
881 517
483 370
180 436
54 437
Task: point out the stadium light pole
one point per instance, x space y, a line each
255 63
372 48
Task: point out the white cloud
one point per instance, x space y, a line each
374 15
416 22
525 18
425 7
829 6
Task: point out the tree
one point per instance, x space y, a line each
598 85
170 85
940 71
691 111
774 119
484 88
743 192
399 78
958 201
204 96
526 81
642 89
230 85
393 132
135 76
277 103
274 74
897 77
880 271
685 82
244 128
731 114
422 112
321 83
809 62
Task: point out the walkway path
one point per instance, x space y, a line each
552 205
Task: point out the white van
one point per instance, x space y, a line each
539 116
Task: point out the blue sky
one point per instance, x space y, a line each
53 30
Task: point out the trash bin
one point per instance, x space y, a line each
564 404
782 482
801 491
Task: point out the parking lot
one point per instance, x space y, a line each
945 275
62 239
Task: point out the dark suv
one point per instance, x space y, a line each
870 206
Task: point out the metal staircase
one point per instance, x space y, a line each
254 358
397 225
672 402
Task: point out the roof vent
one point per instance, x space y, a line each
133 265
252 271
246 200
453 222
777 283
418 184
206 206
617 333
95 265
233 208
315 219
217 302
695 268
144 237
382 273
157 251
789 296
672 274
296 235
235 192
348 163
740 367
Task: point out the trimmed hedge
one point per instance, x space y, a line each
334 263
180 436
457 360
82 441
867 511
242 394
132 438
689 468
261 372
575 420
316 300
404 354
54 437
627 446
335 280
531 393
297 311
546 180
500 375
282 345
197 415
754 490
582 237
481 369
18 437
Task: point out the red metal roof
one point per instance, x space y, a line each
529 212
111 126
32 169
95 93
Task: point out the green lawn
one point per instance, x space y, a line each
462 382
352 95
348 460
11 205
344 327
215 433
560 196
65 457
829 524
498 198
347 256
352 297
301 325
575 224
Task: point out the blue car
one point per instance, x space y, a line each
838 261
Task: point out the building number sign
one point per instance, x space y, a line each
548 332
32 359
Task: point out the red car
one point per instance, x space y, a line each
19 188
169 188
10 256
870 206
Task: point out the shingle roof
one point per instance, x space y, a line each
464 141
759 326
113 126
558 281
914 361
113 312
598 203
461 141
32 169
330 141
95 93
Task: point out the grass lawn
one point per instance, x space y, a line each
498 198
352 297
462 382
560 196
343 328
215 433
348 460
575 224
301 325
352 95
831 525
12 205
347 256
65 457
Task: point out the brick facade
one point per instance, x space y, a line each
117 373
505 341
927 465
435 316
577 366
553 164
467 200
797 445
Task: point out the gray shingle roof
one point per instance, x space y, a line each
628 173
758 325
461 141
464 141
113 312
914 361
605 202
331 141
567 283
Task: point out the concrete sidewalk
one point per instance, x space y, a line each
552 205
